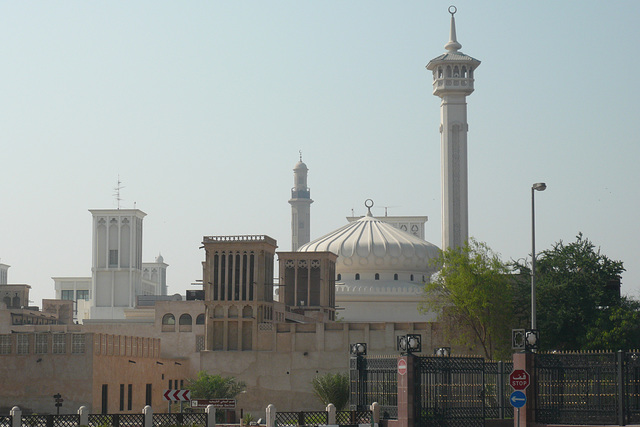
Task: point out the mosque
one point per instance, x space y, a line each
358 284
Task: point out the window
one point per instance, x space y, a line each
5 344
129 397
105 394
412 277
77 343
339 277
59 344
377 276
185 319
122 397
357 276
168 323
42 342
67 295
82 295
113 257
199 342
147 398
200 319
23 344
395 276
168 319
170 384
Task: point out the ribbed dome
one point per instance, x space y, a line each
373 245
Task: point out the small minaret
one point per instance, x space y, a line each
300 207
453 82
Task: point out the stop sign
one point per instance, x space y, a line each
519 379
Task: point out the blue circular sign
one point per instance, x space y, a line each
518 399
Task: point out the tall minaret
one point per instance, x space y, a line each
300 207
453 81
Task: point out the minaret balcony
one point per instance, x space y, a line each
452 84
300 194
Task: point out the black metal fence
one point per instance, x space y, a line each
374 379
497 390
449 391
588 388
5 420
322 418
67 420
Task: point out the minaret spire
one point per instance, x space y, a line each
453 45
300 206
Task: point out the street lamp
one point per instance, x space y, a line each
538 186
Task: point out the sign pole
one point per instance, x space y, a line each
518 416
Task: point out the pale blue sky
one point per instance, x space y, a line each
201 108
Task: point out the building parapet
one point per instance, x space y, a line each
245 238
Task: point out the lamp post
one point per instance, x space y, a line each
538 186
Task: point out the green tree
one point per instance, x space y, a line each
575 286
207 386
332 388
617 328
473 297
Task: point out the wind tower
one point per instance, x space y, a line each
300 207
453 82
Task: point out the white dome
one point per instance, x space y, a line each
372 245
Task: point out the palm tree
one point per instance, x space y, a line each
332 388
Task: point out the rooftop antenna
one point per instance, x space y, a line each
116 193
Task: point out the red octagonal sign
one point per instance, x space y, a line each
519 379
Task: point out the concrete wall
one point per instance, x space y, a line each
30 380
282 375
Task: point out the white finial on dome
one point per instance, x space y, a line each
368 204
453 45
300 151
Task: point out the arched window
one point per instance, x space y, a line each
339 277
185 323
456 71
377 276
357 276
412 277
395 276
168 323
440 73
448 70
200 319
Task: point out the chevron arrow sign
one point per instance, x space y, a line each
177 395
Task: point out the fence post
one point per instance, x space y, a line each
406 382
526 361
621 394
211 415
16 417
83 412
375 414
271 416
148 416
331 414
500 391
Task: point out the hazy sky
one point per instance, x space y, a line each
201 108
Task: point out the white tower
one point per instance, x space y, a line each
300 207
117 261
453 82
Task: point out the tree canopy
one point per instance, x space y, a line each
207 386
578 297
473 297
